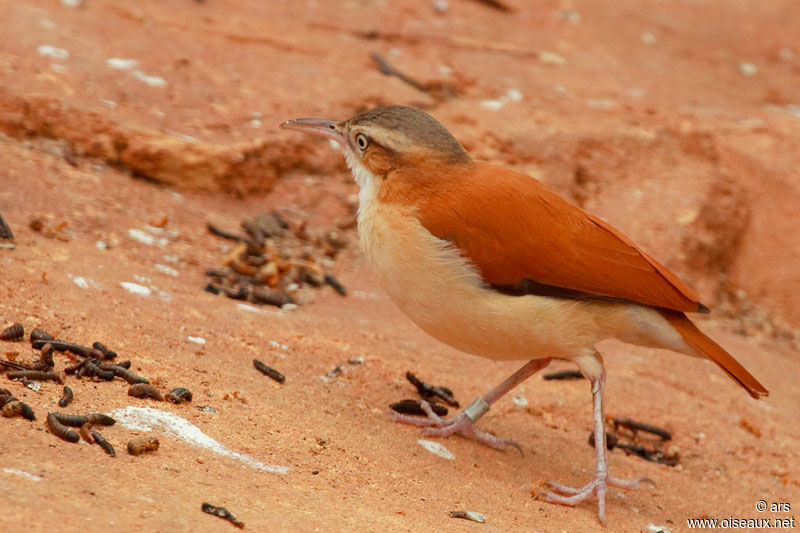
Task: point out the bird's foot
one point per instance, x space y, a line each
435 426
597 487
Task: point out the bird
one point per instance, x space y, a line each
493 263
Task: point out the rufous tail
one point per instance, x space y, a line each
703 344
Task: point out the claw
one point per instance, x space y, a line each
435 426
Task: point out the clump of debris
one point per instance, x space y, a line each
275 262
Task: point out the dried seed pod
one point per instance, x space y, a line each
13 333
123 372
12 408
107 354
179 395
99 419
331 280
222 513
75 421
107 447
60 430
262 295
46 356
93 369
27 412
37 375
64 346
269 371
140 445
74 369
67 398
414 407
145 390
84 433
40 335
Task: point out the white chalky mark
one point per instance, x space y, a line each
167 270
196 340
149 419
520 400
120 63
152 81
47 50
80 281
135 288
22 474
438 449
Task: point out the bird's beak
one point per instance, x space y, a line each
317 126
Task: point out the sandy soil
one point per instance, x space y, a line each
674 120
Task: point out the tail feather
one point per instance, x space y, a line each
703 344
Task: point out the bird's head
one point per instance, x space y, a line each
383 140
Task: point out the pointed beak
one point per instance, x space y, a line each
317 126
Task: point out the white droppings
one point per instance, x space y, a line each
250 308
47 50
601 103
276 344
514 95
492 105
101 245
469 515
135 288
167 270
520 400
149 419
196 340
35 386
119 63
152 81
748 69
142 279
438 449
146 238
22 474
80 281
648 38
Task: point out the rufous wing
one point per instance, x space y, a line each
513 228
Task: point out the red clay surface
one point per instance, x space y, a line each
648 114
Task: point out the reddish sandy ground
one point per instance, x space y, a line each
674 120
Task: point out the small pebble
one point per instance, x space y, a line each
436 448
468 515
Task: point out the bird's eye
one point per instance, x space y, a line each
362 141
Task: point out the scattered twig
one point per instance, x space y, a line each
428 391
413 407
222 513
496 4
640 426
219 232
269 371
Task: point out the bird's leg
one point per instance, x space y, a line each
601 481
464 422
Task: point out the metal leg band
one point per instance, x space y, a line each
476 409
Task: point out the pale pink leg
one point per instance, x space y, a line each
601 481
463 423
